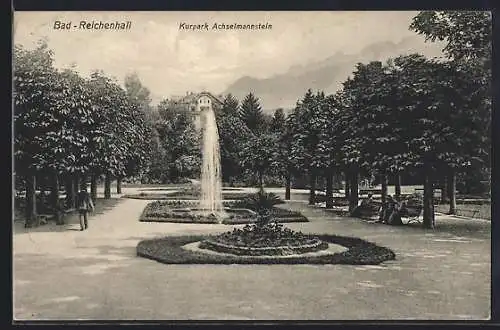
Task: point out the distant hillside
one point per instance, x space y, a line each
284 90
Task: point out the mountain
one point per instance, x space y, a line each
283 90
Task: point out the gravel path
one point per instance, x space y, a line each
61 273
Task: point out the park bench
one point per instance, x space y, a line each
340 201
368 211
473 211
42 219
370 191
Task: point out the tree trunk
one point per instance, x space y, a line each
93 187
42 184
353 193
347 185
54 191
429 220
69 187
119 185
55 202
452 187
383 181
398 185
288 184
312 191
76 189
54 196
107 186
337 180
31 213
444 190
329 190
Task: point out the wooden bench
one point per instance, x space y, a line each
42 219
368 211
64 213
370 191
337 201
474 212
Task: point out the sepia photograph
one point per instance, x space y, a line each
251 165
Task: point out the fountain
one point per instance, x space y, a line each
208 194
211 182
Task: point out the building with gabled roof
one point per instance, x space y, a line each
196 103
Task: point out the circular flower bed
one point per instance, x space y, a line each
260 240
169 250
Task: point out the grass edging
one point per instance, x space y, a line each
168 250
224 222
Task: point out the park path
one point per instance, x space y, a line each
63 274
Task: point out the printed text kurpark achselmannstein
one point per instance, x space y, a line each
223 26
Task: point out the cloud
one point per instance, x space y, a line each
170 61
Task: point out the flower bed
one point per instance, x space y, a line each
180 195
279 250
175 211
169 250
264 238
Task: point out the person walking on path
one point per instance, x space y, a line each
84 205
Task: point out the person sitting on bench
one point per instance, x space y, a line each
390 214
365 204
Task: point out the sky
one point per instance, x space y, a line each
172 61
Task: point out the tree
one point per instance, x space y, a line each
260 155
136 91
251 114
467 36
52 114
33 76
114 131
180 142
350 140
230 105
443 119
232 135
329 151
278 121
67 127
143 121
377 120
310 120
298 135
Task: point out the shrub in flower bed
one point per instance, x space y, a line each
169 250
259 200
